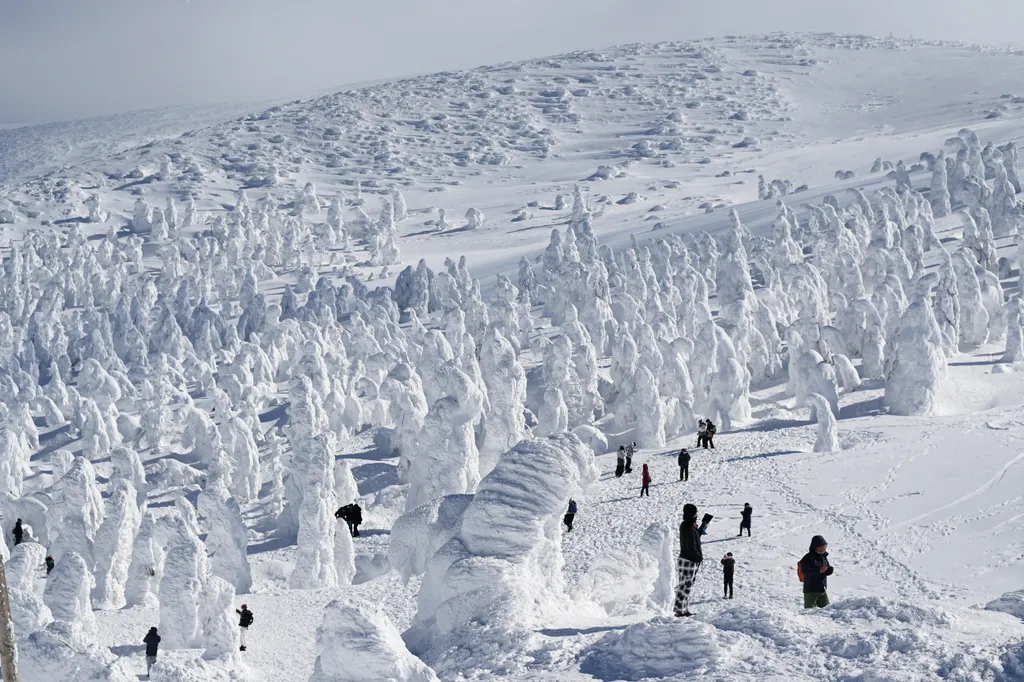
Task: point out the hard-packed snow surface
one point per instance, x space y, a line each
449 300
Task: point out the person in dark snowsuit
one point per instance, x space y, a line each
570 515
728 570
244 621
645 482
18 532
630 451
684 465
620 461
49 564
152 642
745 515
709 436
690 558
355 518
815 569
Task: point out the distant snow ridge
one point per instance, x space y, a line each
502 569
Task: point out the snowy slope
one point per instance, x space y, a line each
923 514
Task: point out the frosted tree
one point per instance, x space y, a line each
67 592
828 435
973 314
448 462
14 462
181 587
126 465
398 201
658 540
554 415
226 538
146 556
918 364
650 413
358 643
113 546
730 393
505 379
1014 331
141 216
474 219
218 624
314 560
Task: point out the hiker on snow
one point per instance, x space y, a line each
152 642
620 461
690 558
645 482
630 451
18 532
684 465
49 564
352 514
745 518
702 432
244 621
570 515
814 570
728 569
709 435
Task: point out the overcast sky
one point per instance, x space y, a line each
64 59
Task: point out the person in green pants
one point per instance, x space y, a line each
815 569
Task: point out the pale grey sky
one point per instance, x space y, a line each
64 59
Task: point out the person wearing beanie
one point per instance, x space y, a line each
244 621
690 558
814 571
728 571
152 642
645 482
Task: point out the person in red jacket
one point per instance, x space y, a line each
645 482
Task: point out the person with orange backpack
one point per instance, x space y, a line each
813 571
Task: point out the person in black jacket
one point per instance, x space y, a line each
244 621
709 436
690 558
49 565
18 532
152 642
816 569
356 519
745 518
570 515
728 570
620 461
684 465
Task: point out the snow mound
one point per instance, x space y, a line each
778 629
196 670
60 652
1011 603
358 643
664 647
879 609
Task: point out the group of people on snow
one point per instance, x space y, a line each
706 431
624 460
152 638
351 514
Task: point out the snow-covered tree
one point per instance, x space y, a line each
828 435
314 560
918 364
226 538
67 592
1014 331
113 546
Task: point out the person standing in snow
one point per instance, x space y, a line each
814 572
684 465
244 621
630 451
570 515
745 515
49 564
355 518
152 642
709 435
690 558
645 482
728 570
18 532
620 461
702 432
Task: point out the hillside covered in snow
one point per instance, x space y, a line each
450 299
